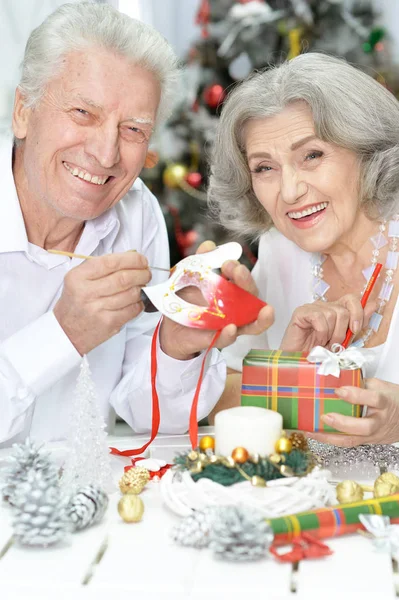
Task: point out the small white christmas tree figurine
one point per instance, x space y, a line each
88 461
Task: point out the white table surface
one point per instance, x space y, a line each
142 560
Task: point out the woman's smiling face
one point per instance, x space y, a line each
310 188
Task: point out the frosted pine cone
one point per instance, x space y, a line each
86 507
238 533
194 530
40 511
26 457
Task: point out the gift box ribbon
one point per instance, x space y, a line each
332 361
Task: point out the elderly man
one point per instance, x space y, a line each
94 84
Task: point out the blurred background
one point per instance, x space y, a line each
220 42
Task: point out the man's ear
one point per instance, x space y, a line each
21 115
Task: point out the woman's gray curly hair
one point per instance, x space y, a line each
349 108
79 26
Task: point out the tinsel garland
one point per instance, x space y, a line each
299 461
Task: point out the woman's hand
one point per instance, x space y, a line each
379 426
184 343
324 323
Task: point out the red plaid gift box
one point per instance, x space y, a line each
291 385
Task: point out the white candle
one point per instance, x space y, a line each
251 427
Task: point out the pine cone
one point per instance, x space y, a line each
194 530
134 480
40 517
298 440
26 457
86 507
238 533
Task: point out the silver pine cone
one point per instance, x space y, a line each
39 517
26 457
194 530
86 507
239 533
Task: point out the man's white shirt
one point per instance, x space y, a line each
39 365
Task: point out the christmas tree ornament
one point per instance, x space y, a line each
86 507
194 179
88 459
134 480
283 444
239 533
386 485
349 491
214 95
131 508
174 174
298 441
40 518
207 443
240 454
24 458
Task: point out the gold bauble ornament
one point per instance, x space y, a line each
131 508
298 441
240 455
174 174
385 485
207 443
283 445
134 480
349 491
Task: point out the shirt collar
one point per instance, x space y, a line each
13 237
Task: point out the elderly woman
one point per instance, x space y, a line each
307 158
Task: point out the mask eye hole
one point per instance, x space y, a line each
192 294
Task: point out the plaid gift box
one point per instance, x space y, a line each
289 384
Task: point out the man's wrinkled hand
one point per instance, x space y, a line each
100 296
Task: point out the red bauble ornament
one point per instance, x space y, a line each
214 95
194 179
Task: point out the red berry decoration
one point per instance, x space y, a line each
214 95
194 179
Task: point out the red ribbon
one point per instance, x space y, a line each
156 417
304 546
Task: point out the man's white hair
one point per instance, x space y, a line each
77 27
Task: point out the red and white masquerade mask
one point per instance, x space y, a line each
227 303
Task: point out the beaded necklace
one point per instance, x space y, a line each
320 287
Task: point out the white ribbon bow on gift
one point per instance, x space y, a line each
385 536
332 361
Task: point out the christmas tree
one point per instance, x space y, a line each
236 37
88 460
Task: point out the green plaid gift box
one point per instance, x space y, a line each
289 384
